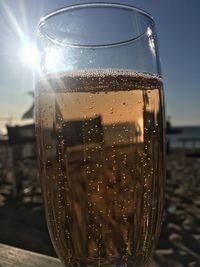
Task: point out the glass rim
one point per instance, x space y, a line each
92 4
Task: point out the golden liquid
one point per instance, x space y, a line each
101 153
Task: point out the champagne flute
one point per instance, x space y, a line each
100 133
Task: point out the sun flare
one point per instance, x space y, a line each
29 55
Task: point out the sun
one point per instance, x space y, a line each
29 56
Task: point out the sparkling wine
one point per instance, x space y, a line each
101 154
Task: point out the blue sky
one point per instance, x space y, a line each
177 24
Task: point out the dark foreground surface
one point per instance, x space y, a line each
15 257
22 222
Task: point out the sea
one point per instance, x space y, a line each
188 136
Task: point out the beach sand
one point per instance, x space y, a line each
23 224
179 243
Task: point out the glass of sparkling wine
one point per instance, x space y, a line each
100 134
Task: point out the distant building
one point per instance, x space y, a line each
123 133
3 145
79 132
22 140
5 158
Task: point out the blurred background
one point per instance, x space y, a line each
20 197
